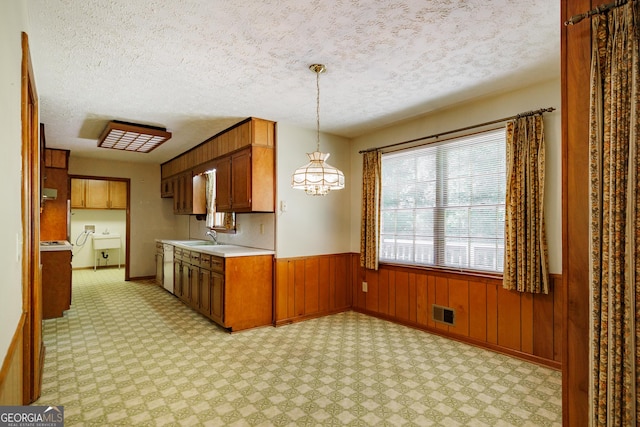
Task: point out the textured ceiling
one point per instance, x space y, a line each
199 66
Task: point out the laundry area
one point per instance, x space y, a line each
98 238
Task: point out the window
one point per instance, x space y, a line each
443 204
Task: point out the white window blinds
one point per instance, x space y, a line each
443 204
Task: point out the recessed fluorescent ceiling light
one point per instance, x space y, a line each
132 137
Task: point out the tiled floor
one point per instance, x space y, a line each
129 353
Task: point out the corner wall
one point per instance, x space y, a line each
311 225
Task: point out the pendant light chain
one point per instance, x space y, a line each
317 110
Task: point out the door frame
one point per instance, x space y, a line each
33 349
127 238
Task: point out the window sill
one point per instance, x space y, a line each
447 272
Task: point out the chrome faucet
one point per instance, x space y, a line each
213 235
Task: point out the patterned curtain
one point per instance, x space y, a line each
525 245
210 196
615 229
370 222
227 221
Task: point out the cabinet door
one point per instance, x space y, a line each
166 188
177 278
186 283
117 194
217 298
178 193
205 292
55 158
223 185
97 193
194 286
241 180
77 193
159 266
183 194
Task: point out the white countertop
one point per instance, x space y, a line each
55 245
221 250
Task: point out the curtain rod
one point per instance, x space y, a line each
437 135
598 10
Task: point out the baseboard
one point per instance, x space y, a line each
11 371
141 278
99 267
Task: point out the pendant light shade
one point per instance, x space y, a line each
317 177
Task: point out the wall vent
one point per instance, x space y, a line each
443 314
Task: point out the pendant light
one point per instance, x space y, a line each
317 177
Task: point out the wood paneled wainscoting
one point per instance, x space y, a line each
519 324
313 286
12 370
524 325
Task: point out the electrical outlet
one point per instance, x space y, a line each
365 287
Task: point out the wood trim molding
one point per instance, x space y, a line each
575 78
11 371
31 275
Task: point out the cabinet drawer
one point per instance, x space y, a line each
217 263
205 261
194 259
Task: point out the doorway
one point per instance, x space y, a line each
100 222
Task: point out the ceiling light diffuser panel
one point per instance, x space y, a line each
132 137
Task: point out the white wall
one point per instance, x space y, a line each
113 221
13 20
492 108
311 225
151 216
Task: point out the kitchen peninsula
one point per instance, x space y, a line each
229 284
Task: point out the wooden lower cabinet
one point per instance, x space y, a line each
56 283
236 293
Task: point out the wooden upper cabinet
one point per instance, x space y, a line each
248 185
98 194
117 195
241 180
189 194
251 131
54 158
244 159
77 193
